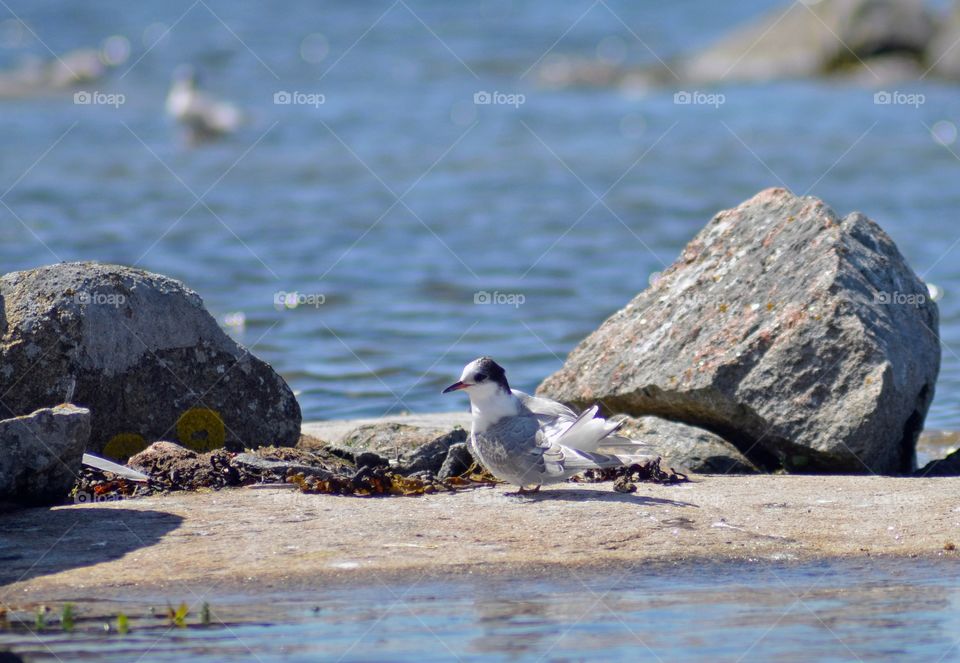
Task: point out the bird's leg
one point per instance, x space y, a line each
524 491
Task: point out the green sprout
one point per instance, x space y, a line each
123 624
66 617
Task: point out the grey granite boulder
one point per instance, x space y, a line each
801 337
866 42
141 352
687 448
805 39
40 454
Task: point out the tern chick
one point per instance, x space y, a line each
530 441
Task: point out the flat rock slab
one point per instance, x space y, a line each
188 544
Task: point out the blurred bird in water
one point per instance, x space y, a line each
204 116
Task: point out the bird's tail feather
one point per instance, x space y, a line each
590 432
620 444
589 460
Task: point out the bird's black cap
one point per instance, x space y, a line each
493 371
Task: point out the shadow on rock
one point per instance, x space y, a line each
38 542
598 496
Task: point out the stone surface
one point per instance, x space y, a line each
414 448
431 456
141 352
277 540
272 469
942 467
335 430
40 454
872 43
936 444
458 460
943 53
802 338
809 39
687 448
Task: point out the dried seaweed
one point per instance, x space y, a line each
381 481
174 468
626 478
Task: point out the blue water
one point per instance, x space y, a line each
874 610
497 198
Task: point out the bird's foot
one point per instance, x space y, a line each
524 491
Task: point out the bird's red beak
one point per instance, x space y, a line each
456 386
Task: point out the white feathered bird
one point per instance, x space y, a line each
204 116
530 441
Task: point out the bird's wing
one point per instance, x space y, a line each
584 432
554 417
589 432
535 456
517 442
544 406
561 460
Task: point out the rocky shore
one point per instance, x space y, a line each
270 538
264 537
786 347
785 338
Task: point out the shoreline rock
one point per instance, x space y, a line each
40 454
801 337
807 40
143 354
869 42
410 448
688 448
943 54
941 467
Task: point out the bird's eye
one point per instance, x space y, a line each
479 377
